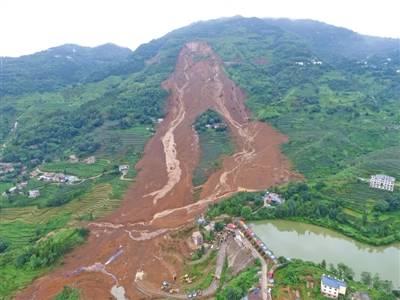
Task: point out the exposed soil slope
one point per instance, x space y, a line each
132 244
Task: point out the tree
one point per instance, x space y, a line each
386 286
345 271
3 245
245 212
376 281
366 278
233 293
364 217
323 264
219 226
381 206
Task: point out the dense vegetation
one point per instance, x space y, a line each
20 266
210 120
68 293
236 288
295 275
60 66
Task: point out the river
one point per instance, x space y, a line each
314 243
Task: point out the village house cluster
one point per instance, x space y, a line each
19 190
6 168
382 182
58 178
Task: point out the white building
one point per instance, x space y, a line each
33 193
123 168
332 287
382 182
272 198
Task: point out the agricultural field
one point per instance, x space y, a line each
22 227
79 169
117 142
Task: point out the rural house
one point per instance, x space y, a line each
33 193
123 168
90 160
197 238
332 287
382 182
270 198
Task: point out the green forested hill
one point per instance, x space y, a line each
57 67
335 93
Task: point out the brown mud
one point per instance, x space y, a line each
133 244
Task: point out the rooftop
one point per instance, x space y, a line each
383 177
332 282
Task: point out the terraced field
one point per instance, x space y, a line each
19 225
116 142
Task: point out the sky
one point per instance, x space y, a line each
28 26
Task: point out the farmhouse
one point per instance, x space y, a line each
382 182
6 168
33 193
123 168
197 238
332 287
90 160
73 159
272 198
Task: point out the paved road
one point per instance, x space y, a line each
264 269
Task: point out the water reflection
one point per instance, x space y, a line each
314 243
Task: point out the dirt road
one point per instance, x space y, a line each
160 200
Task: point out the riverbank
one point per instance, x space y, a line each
305 203
314 243
304 277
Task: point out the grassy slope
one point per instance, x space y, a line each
214 145
295 276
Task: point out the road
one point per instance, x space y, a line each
206 294
264 269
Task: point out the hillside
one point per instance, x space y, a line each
58 67
334 93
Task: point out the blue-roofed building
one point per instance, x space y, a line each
332 287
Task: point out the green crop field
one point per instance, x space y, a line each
79 169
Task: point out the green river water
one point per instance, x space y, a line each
314 243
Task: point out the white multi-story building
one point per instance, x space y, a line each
332 287
382 182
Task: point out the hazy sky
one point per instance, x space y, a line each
28 26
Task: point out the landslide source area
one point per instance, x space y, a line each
127 249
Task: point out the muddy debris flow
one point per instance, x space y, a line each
129 246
